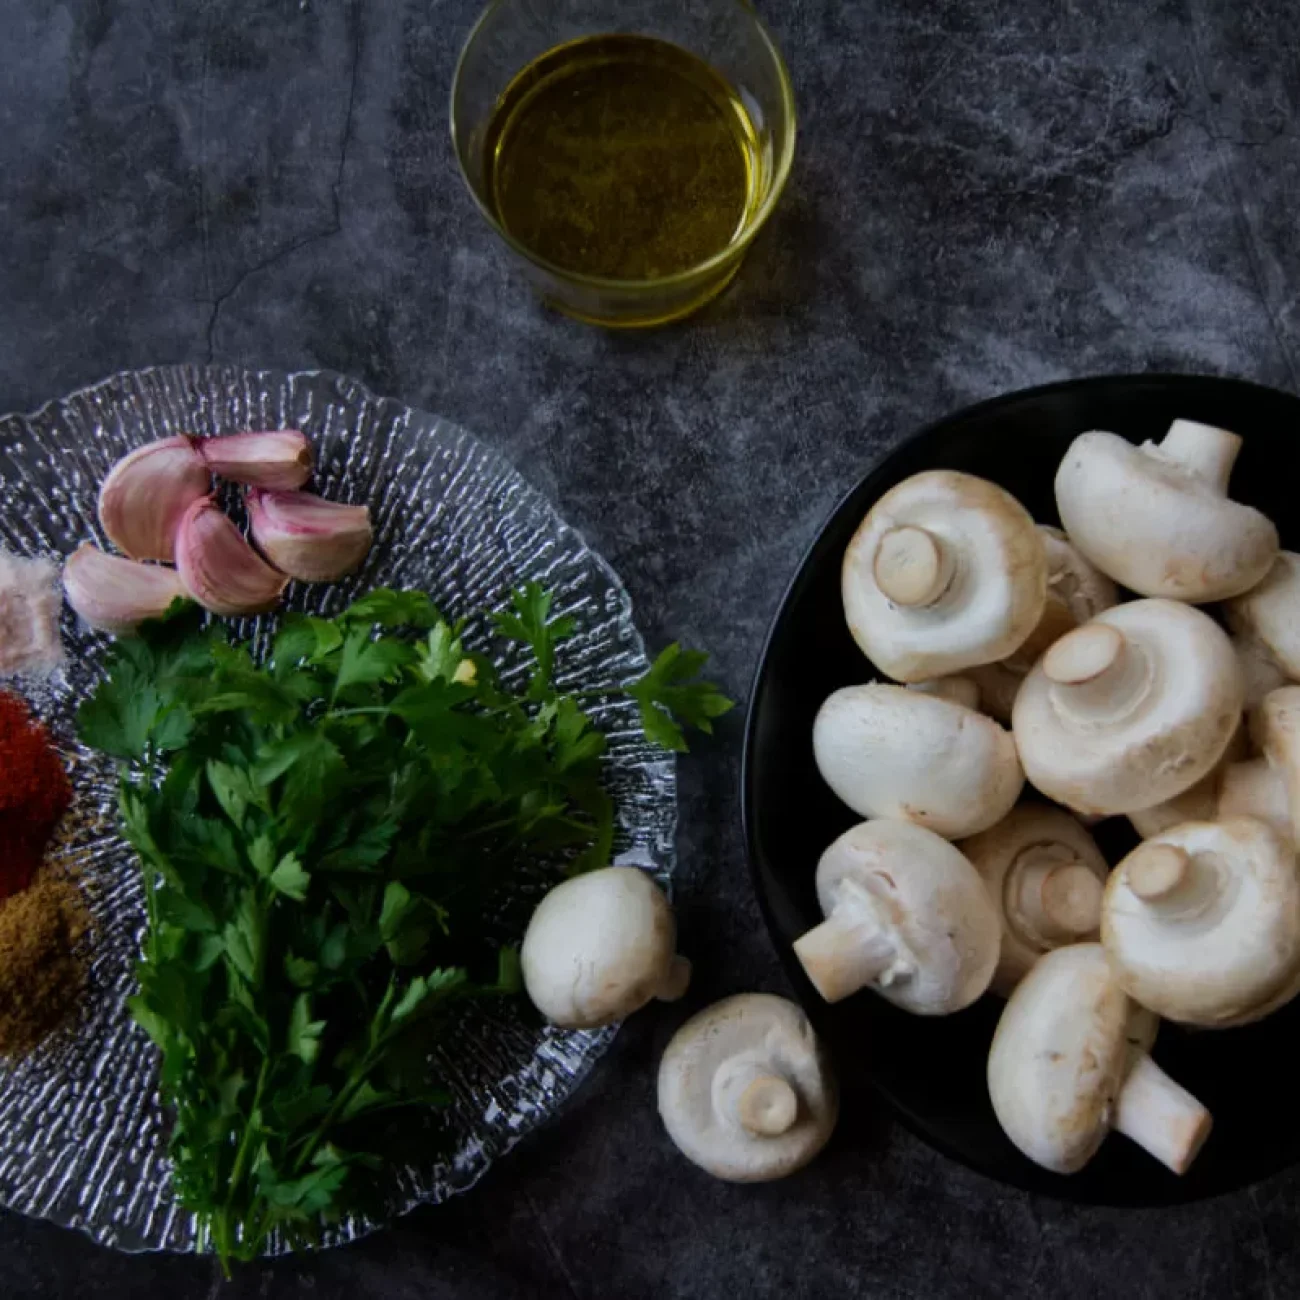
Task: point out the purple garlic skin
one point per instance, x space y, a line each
308 537
146 493
279 459
114 594
220 569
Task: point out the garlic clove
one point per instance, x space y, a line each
114 594
146 493
308 537
280 459
219 568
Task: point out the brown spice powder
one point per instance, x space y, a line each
41 976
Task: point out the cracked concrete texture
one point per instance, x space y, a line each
987 195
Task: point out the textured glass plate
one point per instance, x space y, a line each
82 1133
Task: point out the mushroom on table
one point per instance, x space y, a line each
1157 518
1046 876
1129 710
1070 1061
906 916
891 752
599 947
745 1090
1202 923
946 570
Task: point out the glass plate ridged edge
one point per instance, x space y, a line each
82 1132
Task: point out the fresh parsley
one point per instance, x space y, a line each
323 833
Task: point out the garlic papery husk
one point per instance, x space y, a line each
219 568
114 594
280 459
308 537
146 493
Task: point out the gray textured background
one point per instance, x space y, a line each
988 194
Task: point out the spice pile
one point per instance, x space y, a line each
42 918
40 975
34 794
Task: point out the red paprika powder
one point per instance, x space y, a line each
34 794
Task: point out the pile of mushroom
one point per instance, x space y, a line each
1123 699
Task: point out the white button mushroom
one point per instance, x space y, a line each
1202 923
1157 518
891 752
1266 626
745 1090
1069 1063
599 947
1046 875
1130 709
1268 788
946 570
1076 593
906 915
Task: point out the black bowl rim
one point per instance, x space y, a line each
1061 1188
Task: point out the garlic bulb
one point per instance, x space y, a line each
308 537
281 459
113 594
146 493
219 568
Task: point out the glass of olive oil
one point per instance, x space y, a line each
628 151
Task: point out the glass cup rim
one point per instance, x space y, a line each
701 270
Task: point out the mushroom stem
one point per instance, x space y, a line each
748 1091
854 946
912 566
1172 880
1203 450
1161 1117
1097 674
675 981
1054 895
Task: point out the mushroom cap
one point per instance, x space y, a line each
1073 580
1198 803
1157 518
959 689
1067 1037
745 1090
1129 710
1254 788
1202 923
965 570
1279 726
598 947
1046 875
941 923
888 751
1270 613
1260 671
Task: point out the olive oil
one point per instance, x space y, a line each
623 157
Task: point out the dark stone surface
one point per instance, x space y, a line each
988 194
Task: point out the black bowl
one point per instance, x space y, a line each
932 1070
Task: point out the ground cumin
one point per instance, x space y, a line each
41 974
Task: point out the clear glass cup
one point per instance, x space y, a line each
726 34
